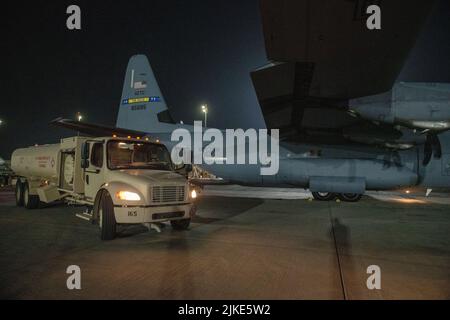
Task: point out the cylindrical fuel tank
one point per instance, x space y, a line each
38 162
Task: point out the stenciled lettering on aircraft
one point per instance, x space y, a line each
241 147
138 107
140 85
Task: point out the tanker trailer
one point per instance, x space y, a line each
36 167
121 181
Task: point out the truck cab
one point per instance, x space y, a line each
122 181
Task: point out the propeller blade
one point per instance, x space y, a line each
427 150
437 149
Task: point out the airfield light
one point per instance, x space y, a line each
79 116
1 122
205 111
408 191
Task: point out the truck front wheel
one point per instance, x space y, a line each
19 193
29 201
106 216
182 224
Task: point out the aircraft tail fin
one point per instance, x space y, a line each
142 106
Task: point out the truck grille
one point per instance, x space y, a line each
168 194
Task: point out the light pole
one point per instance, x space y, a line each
79 118
205 111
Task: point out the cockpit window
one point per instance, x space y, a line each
138 155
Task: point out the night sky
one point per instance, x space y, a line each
201 51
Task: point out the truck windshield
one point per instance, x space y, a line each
138 155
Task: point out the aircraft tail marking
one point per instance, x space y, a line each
142 106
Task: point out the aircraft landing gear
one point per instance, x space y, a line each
349 197
329 196
324 196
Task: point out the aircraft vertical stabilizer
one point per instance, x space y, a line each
142 106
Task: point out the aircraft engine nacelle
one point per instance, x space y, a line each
381 112
418 105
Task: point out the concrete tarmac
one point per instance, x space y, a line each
254 246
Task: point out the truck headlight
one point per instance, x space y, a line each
193 194
128 196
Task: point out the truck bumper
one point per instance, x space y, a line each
146 214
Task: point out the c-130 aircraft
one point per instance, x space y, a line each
330 161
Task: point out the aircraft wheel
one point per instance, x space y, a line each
349 197
182 224
29 201
19 193
324 196
107 219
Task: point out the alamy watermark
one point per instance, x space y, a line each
73 282
374 280
73 21
231 146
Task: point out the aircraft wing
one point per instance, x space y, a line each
95 129
329 49
322 55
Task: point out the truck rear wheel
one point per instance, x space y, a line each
182 224
19 193
107 220
29 201
324 196
349 197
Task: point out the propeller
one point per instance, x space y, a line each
432 146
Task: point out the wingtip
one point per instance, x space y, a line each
56 120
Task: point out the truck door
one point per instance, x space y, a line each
94 175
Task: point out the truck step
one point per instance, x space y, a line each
84 216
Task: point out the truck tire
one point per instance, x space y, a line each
180 225
19 194
107 220
29 201
324 196
349 197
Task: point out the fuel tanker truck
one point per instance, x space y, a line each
121 181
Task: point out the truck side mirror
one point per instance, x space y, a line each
185 168
85 155
179 167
